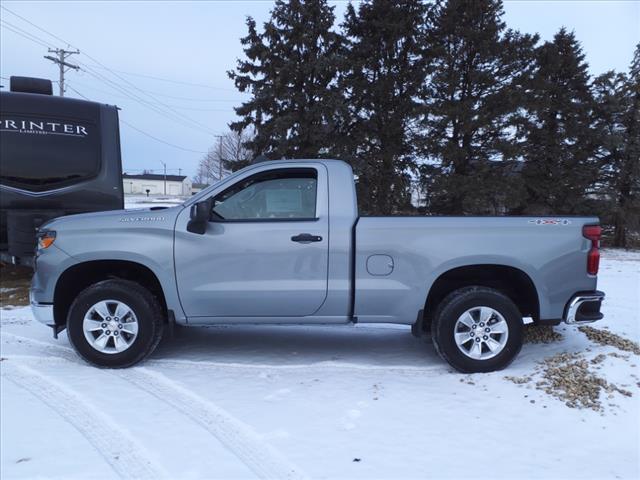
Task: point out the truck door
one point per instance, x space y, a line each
265 251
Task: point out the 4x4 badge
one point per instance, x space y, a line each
551 221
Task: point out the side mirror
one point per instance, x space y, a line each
199 216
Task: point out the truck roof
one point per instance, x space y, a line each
284 160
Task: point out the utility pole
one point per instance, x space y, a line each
165 176
62 63
219 137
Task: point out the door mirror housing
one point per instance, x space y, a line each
200 215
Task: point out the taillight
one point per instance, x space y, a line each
593 233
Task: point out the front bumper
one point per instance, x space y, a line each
42 311
44 314
584 307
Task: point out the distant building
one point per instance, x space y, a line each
197 187
154 184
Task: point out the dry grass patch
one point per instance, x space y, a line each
571 378
604 337
14 285
540 334
568 377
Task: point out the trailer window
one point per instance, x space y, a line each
40 153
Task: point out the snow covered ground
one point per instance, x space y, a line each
319 402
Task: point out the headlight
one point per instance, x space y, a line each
45 239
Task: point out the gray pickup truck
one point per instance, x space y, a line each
282 243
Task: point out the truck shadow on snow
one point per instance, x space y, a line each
289 345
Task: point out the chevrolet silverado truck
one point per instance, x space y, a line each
282 243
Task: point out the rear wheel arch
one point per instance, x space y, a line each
477 329
513 282
78 277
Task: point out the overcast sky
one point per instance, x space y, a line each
197 42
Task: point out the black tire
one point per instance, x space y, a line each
458 302
146 308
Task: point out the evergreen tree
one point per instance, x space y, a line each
382 73
471 104
561 167
629 189
617 123
608 92
289 70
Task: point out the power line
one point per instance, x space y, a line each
107 81
126 93
179 107
142 101
142 131
34 25
195 109
42 42
160 140
186 118
189 99
137 98
194 99
100 65
194 123
178 82
28 36
77 92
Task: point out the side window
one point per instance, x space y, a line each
281 194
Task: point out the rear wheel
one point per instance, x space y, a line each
477 329
115 323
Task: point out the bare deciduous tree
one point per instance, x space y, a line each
233 145
227 155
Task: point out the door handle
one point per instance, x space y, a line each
306 238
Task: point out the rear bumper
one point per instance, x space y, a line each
584 307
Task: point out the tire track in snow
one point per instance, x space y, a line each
234 434
239 438
125 455
328 365
58 350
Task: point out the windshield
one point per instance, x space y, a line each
207 191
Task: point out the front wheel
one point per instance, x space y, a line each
477 329
115 323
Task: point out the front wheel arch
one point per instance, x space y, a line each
82 275
143 305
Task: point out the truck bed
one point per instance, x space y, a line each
399 258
